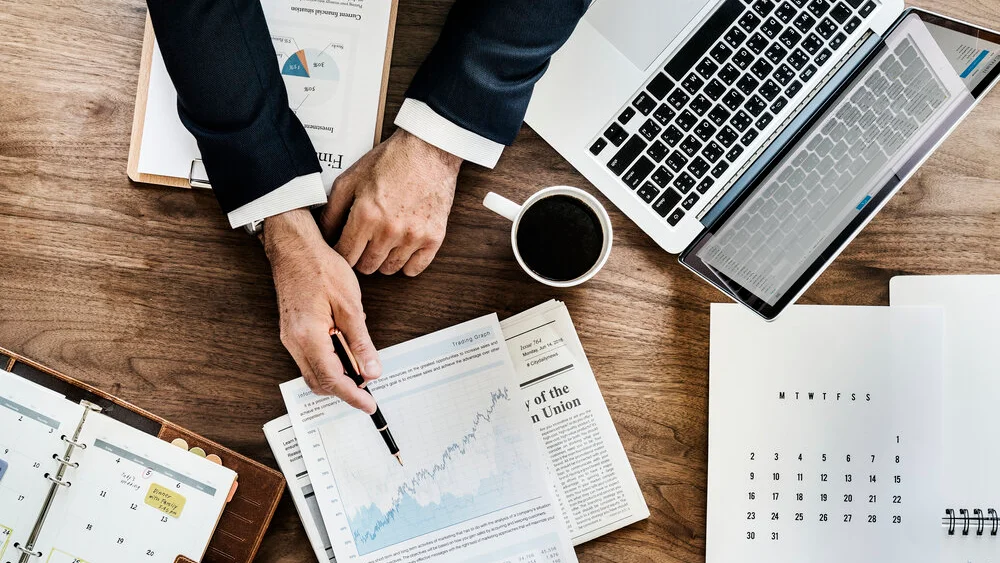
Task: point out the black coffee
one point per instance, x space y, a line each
560 238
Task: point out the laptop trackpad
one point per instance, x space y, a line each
641 29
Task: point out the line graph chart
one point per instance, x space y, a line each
462 461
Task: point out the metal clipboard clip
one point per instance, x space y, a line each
196 173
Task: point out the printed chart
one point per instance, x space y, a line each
312 75
461 461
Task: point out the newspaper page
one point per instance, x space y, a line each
593 481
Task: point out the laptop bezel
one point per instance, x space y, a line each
751 180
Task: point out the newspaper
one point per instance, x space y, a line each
593 481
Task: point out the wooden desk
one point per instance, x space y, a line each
147 293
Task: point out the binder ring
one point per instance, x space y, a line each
996 521
18 547
66 463
964 514
980 521
951 521
91 406
80 445
57 481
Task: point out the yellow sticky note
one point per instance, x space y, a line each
165 500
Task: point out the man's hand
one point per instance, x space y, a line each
393 206
317 291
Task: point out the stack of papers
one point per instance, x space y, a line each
510 452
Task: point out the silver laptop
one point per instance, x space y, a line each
756 138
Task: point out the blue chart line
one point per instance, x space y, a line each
407 518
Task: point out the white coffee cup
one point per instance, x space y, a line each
514 212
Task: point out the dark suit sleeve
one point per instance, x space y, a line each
231 97
482 71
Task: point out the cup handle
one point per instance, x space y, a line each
502 206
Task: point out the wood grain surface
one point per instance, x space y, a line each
145 292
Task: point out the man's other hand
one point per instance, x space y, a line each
393 206
317 291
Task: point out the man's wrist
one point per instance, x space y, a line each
445 158
296 226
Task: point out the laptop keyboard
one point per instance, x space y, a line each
695 119
828 176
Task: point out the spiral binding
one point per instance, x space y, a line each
967 521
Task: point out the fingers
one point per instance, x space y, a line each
334 214
352 324
420 260
376 253
310 345
354 239
397 259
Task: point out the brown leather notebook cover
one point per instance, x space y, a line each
246 517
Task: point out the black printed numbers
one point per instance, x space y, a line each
819 488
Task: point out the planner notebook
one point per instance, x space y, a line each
79 486
825 436
970 491
130 490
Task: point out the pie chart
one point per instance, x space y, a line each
311 77
310 63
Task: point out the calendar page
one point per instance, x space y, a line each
32 421
824 435
134 498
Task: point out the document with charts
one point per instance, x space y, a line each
77 486
333 57
473 486
824 437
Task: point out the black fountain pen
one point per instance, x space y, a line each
352 371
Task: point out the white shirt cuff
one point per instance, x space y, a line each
303 191
419 119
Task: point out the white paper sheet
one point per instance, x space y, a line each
970 397
281 437
32 421
824 435
134 498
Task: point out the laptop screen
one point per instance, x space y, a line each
807 203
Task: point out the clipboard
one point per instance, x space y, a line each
246 517
197 177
